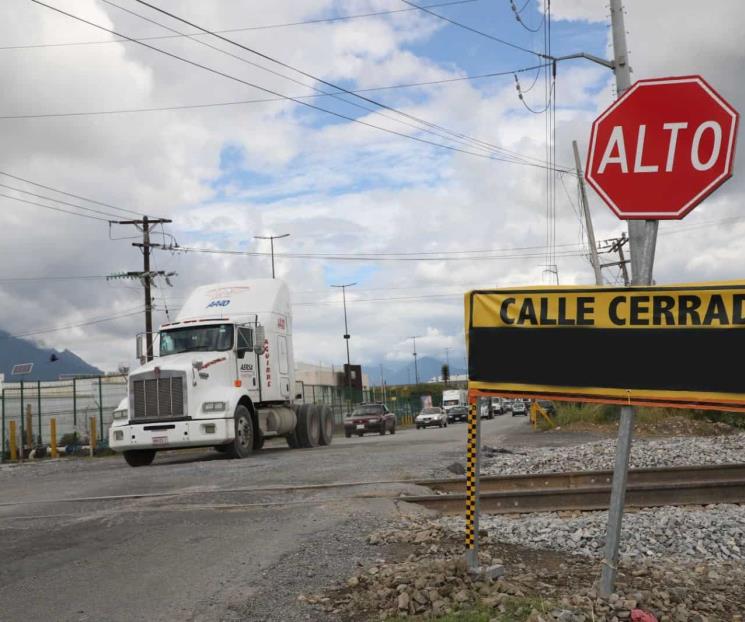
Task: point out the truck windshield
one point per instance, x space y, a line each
218 337
451 402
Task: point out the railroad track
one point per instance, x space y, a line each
590 490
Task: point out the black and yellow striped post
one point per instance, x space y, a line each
473 444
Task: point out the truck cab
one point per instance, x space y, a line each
222 377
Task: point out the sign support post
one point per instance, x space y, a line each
642 243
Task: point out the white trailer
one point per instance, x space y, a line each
223 377
454 397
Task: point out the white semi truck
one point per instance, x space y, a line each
223 377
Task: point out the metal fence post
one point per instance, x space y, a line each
23 435
2 449
38 406
100 407
74 403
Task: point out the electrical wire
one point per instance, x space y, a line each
473 30
520 20
464 140
79 325
274 99
363 257
31 279
244 29
69 194
295 100
56 209
60 201
451 135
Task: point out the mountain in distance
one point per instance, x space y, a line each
428 367
14 351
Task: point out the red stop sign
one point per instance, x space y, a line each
662 148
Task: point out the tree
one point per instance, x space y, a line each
445 373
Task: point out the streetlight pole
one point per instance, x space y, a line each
416 368
346 334
271 239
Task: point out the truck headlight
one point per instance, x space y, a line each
213 407
120 414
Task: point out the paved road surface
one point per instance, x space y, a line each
218 556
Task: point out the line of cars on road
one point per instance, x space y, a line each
376 418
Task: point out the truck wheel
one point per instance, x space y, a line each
292 441
139 457
243 443
393 429
308 425
327 425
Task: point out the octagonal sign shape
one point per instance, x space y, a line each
662 148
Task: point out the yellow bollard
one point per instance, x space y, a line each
53 437
92 437
13 448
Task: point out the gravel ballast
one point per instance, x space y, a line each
715 533
600 455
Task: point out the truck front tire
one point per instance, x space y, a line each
243 443
139 457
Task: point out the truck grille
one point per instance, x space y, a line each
158 398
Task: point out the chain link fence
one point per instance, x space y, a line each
71 403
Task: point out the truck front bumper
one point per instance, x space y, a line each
171 434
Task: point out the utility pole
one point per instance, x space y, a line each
146 276
271 239
642 240
615 245
382 383
346 335
416 368
588 219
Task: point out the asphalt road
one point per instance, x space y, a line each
204 553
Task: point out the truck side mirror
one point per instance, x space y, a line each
260 337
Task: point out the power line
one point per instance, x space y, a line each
244 29
453 135
69 326
363 257
31 279
56 209
293 99
473 30
69 194
465 140
273 99
41 196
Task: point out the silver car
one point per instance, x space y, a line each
433 416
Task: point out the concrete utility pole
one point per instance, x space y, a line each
642 240
271 239
146 276
588 219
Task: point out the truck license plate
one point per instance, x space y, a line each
160 440
360 426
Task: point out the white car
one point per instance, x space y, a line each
518 408
433 416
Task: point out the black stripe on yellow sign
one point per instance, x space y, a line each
682 360
471 462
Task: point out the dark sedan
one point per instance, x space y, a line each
367 418
458 413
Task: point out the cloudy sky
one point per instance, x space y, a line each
330 175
